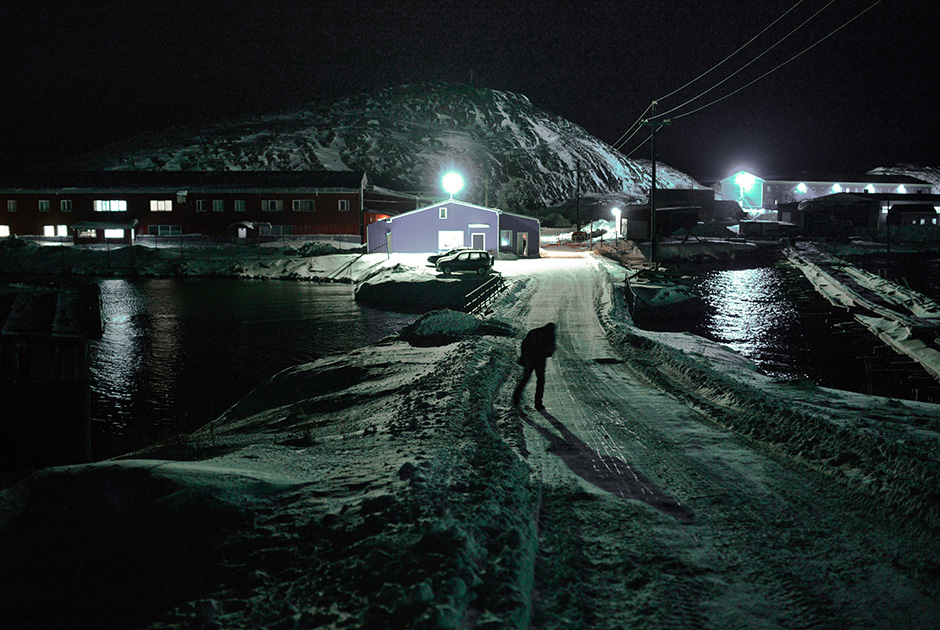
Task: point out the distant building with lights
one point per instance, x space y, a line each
121 206
757 194
855 214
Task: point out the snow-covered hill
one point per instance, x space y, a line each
929 174
512 154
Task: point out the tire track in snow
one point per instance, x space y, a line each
767 547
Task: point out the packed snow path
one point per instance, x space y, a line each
657 518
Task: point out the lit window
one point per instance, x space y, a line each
114 233
505 238
48 230
61 230
65 205
164 230
239 205
344 205
161 205
86 234
112 205
44 205
4 230
11 205
272 205
304 205
202 205
218 205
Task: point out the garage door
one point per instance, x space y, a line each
449 239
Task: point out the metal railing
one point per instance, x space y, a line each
482 297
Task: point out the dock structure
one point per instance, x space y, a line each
903 319
45 332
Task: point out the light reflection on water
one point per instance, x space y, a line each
772 316
748 310
177 352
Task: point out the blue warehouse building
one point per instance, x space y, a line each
453 223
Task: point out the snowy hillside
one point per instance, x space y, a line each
929 174
512 154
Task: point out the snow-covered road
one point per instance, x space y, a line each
675 522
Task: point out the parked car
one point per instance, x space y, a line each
476 260
433 258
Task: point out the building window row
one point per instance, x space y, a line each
202 205
276 230
165 230
110 205
55 230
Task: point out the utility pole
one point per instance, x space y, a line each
653 125
577 195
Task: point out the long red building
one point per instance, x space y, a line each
98 206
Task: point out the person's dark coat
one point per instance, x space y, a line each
538 345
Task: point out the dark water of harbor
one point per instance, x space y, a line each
771 315
176 353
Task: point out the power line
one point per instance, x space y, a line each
794 57
623 139
720 63
771 71
635 127
752 61
637 147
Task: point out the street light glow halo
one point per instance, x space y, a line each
453 182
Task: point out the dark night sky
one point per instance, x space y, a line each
78 75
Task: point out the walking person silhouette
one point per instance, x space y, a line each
538 345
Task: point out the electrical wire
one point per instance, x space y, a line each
794 57
624 138
637 147
771 71
752 61
635 128
742 47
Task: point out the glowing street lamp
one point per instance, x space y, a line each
744 180
616 213
453 183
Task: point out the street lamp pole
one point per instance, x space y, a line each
650 122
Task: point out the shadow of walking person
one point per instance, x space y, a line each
608 473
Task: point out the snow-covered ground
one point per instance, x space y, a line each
666 485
